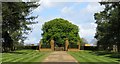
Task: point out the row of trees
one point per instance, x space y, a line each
15 23
108 26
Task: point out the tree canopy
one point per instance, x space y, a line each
108 23
60 29
16 18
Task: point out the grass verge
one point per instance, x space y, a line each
24 57
89 57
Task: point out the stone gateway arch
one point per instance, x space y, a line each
63 48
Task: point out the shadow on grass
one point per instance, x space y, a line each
106 54
102 52
15 52
115 55
60 63
18 52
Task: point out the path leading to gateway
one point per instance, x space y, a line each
60 57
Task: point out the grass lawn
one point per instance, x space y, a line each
24 56
89 57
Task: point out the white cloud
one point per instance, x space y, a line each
92 7
74 0
97 7
66 10
44 4
87 31
84 18
30 41
70 0
35 35
84 15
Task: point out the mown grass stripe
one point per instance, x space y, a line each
21 57
35 57
95 58
16 57
30 56
86 59
5 55
10 58
100 58
76 56
78 59
43 54
0 59
26 57
86 56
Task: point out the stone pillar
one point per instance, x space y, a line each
66 44
115 48
40 44
78 43
52 44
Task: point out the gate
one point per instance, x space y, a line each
60 47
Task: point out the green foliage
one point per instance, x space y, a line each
60 29
108 23
16 20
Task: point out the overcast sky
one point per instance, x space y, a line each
79 13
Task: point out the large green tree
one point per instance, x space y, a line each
108 23
16 20
60 29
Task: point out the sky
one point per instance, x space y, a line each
78 13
